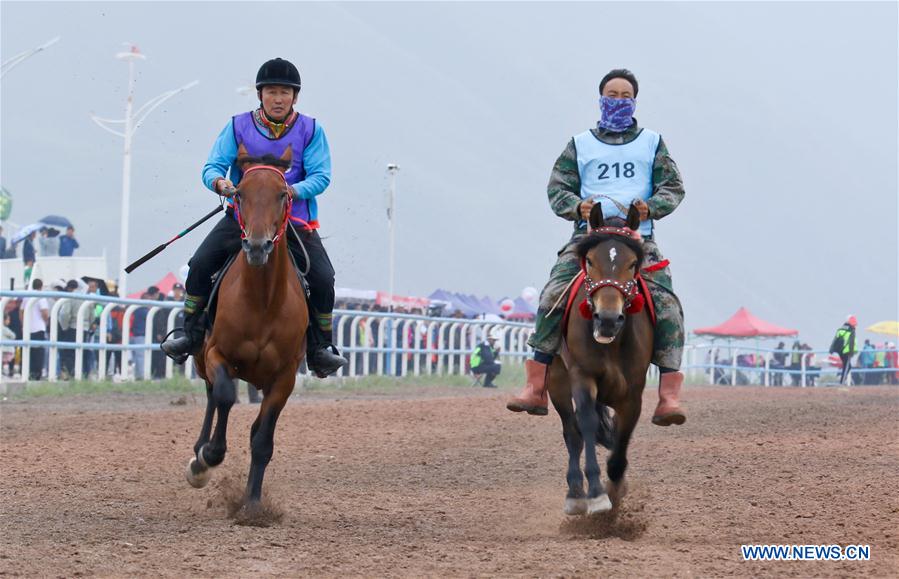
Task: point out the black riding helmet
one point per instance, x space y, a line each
278 71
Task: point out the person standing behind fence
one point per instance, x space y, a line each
138 334
892 361
67 243
778 362
845 346
39 317
67 318
866 362
49 242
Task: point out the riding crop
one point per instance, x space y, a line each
159 249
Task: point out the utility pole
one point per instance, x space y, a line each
131 122
392 170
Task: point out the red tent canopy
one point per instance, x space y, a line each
744 325
164 285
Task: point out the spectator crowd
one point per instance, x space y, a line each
67 319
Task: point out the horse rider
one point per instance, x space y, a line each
615 164
269 130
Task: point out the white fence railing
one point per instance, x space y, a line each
722 363
374 342
387 344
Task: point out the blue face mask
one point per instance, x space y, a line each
617 114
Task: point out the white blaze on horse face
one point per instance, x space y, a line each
612 254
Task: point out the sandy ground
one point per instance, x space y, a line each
446 482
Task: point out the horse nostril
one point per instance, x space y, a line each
620 319
245 244
268 246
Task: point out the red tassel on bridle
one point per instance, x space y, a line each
636 305
585 310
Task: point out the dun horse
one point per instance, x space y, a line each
260 328
604 362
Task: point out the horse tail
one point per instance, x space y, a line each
605 434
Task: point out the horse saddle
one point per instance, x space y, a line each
217 278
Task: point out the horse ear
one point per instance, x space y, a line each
633 217
287 157
596 218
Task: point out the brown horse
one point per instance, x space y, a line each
603 363
260 328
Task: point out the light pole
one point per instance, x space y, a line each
131 123
392 170
12 62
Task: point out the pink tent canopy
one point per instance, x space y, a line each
164 285
744 325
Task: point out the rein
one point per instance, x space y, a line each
287 207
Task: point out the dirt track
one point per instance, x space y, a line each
449 485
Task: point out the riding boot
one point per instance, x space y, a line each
322 355
178 349
533 398
668 411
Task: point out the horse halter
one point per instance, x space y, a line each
633 299
287 207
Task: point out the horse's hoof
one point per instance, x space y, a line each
574 507
676 418
600 504
617 491
196 479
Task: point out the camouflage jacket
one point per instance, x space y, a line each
564 185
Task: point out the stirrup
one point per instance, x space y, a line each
336 364
178 358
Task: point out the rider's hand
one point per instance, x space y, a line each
225 187
584 208
643 208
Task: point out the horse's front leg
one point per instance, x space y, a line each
224 394
626 417
560 393
588 422
262 435
196 476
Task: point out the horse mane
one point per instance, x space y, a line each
267 159
591 240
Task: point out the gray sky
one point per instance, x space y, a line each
781 116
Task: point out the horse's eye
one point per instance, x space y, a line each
633 265
590 263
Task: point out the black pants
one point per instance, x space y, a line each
224 241
845 358
490 370
36 364
67 356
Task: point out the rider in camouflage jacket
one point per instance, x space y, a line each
618 90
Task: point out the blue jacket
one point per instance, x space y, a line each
316 161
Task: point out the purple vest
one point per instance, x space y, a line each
257 145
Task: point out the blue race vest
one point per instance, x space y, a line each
297 137
619 172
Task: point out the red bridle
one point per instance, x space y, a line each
633 299
287 208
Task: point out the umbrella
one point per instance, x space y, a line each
26 231
101 283
57 220
890 328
